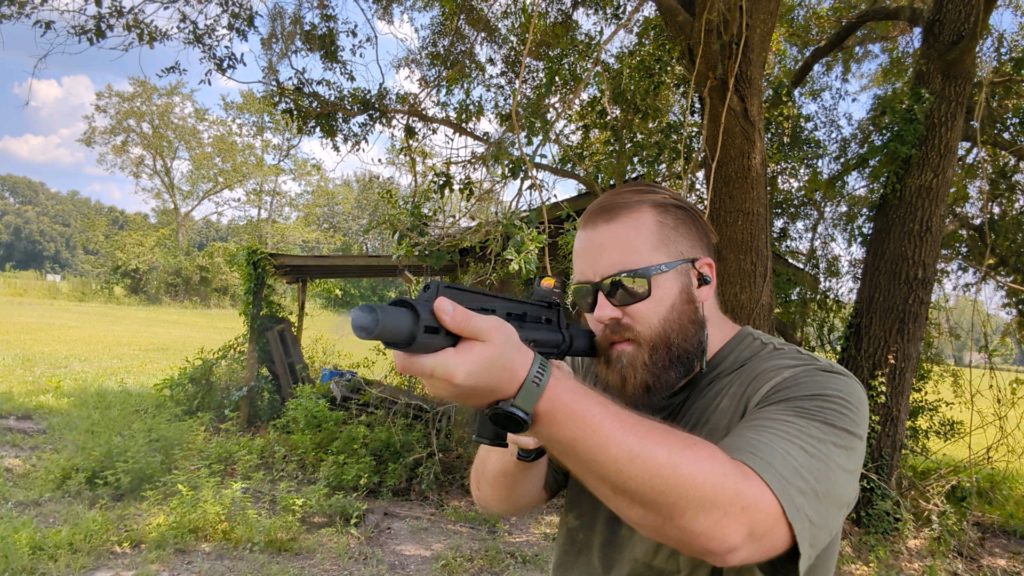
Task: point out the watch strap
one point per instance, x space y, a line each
533 385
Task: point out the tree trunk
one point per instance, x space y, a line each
886 329
725 43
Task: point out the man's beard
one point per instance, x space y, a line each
659 362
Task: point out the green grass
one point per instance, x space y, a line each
33 285
990 403
53 348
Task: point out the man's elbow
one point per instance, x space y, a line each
486 503
494 505
732 547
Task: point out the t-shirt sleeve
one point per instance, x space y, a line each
804 434
556 480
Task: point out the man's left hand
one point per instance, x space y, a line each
488 364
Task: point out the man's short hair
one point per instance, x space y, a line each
684 223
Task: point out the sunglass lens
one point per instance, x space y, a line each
583 296
626 290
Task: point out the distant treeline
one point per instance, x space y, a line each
136 256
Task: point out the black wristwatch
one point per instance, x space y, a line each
516 414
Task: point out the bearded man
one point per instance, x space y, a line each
692 445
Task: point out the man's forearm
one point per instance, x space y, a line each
503 485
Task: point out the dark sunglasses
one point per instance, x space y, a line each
621 288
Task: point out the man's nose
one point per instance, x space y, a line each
605 310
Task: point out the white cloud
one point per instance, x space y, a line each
366 157
407 79
322 153
55 109
91 170
117 193
54 104
225 82
42 149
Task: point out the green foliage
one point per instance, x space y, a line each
494 559
115 254
351 215
70 546
31 284
211 383
895 128
116 444
47 231
153 268
937 487
343 295
352 452
211 511
931 419
256 271
182 157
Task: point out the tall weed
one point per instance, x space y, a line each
115 443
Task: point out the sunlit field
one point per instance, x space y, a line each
990 403
124 471
48 348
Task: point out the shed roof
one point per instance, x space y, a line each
294 267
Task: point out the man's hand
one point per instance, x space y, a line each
487 365
523 441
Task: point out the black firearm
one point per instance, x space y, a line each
409 325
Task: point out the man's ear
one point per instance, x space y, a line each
703 279
705 268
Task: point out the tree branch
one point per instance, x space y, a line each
333 106
906 13
679 23
970 136
676 17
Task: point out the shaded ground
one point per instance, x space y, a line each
450 538
396 538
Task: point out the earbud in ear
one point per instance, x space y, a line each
703 279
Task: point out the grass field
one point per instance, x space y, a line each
100 472
990 404
51 347
102 477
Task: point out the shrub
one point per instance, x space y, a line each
207 509
213 383
358 452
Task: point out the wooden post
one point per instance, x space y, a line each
252 364
301 289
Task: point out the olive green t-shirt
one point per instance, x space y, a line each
797 420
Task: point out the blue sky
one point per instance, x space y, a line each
42 112
42 109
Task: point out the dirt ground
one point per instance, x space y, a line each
396 538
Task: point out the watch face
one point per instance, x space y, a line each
509 418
